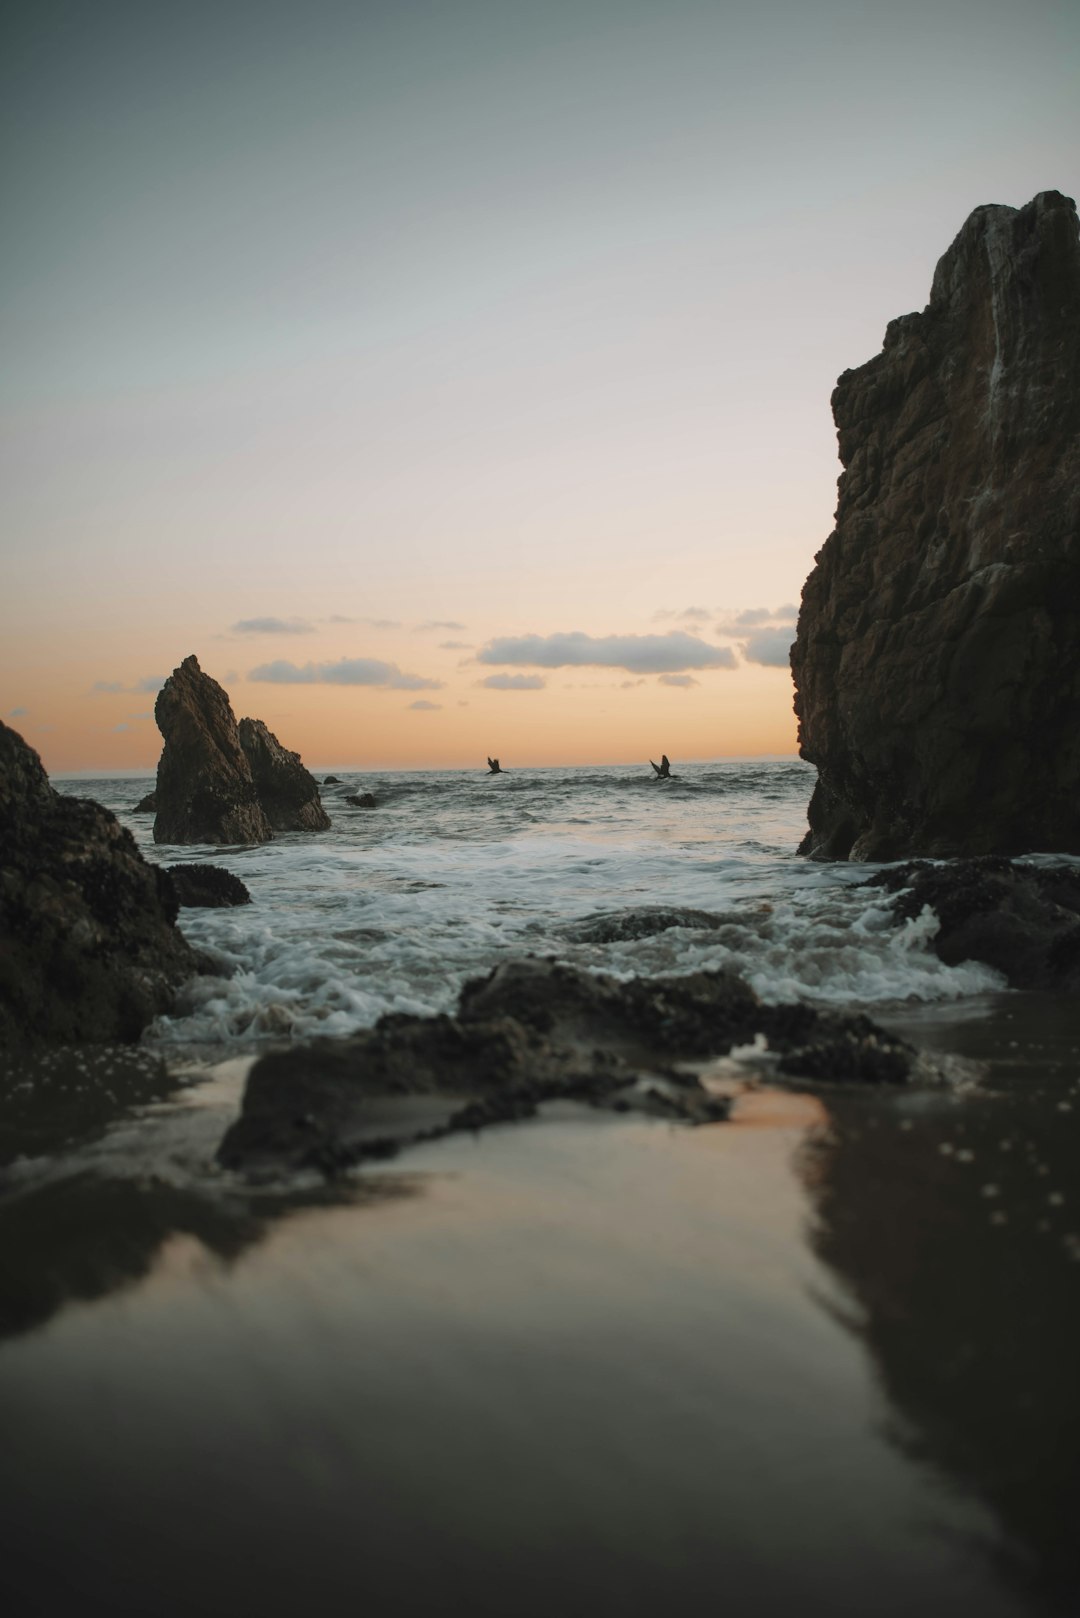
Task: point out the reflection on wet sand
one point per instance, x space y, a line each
950 1225
82 1237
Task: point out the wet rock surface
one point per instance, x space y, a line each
205 789
89 947
1024 920
288 793
206 886
937 662
147 805
361 800
533 1032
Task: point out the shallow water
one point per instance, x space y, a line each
818 1358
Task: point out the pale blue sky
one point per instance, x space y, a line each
521 316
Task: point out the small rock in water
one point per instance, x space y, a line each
361 800
207 886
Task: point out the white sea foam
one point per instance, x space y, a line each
394 909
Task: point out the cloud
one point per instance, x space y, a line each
513 682
771 647
423 706
135 717
18 713
454 646
439 623
346 671
700 615
117 728
639 654
144 687
682 680
630 685
273 626
737 623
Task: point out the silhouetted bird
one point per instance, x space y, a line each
663 769
494 766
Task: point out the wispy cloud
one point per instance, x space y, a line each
513 682
771 647
423 706
448 624
630 685
346 671
455 646
684 681
149 684
639 654
18 713
273 626
697 615
733 624
117 728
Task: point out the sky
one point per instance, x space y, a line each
452 377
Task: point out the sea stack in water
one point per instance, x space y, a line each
288 793
205 789
937 664
220 782
89 948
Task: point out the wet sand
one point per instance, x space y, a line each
821 1357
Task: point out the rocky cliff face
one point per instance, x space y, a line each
89 949
287 792
205 789
937 663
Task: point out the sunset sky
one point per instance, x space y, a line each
452 376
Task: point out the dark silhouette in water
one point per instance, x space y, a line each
663 769
494 767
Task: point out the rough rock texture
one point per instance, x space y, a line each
205 788
89 948
206 886
147 805
1024 920
937 664
530 1032
287 792
362 800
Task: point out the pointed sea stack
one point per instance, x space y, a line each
287 792
937 664
205 789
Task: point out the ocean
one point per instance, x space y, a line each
394 908
821 1357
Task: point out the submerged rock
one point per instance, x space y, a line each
206 886
937 663
1024 920
331 781
535 1031
205 789
89 947
288 793
362 800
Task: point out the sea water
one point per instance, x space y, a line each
395 907
818 1358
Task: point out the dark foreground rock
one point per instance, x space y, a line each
331 781
937 663
287 792
147 805
1024 920
533 1032
361 800
89 947
205 789
206 886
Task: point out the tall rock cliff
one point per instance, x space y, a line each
937 662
